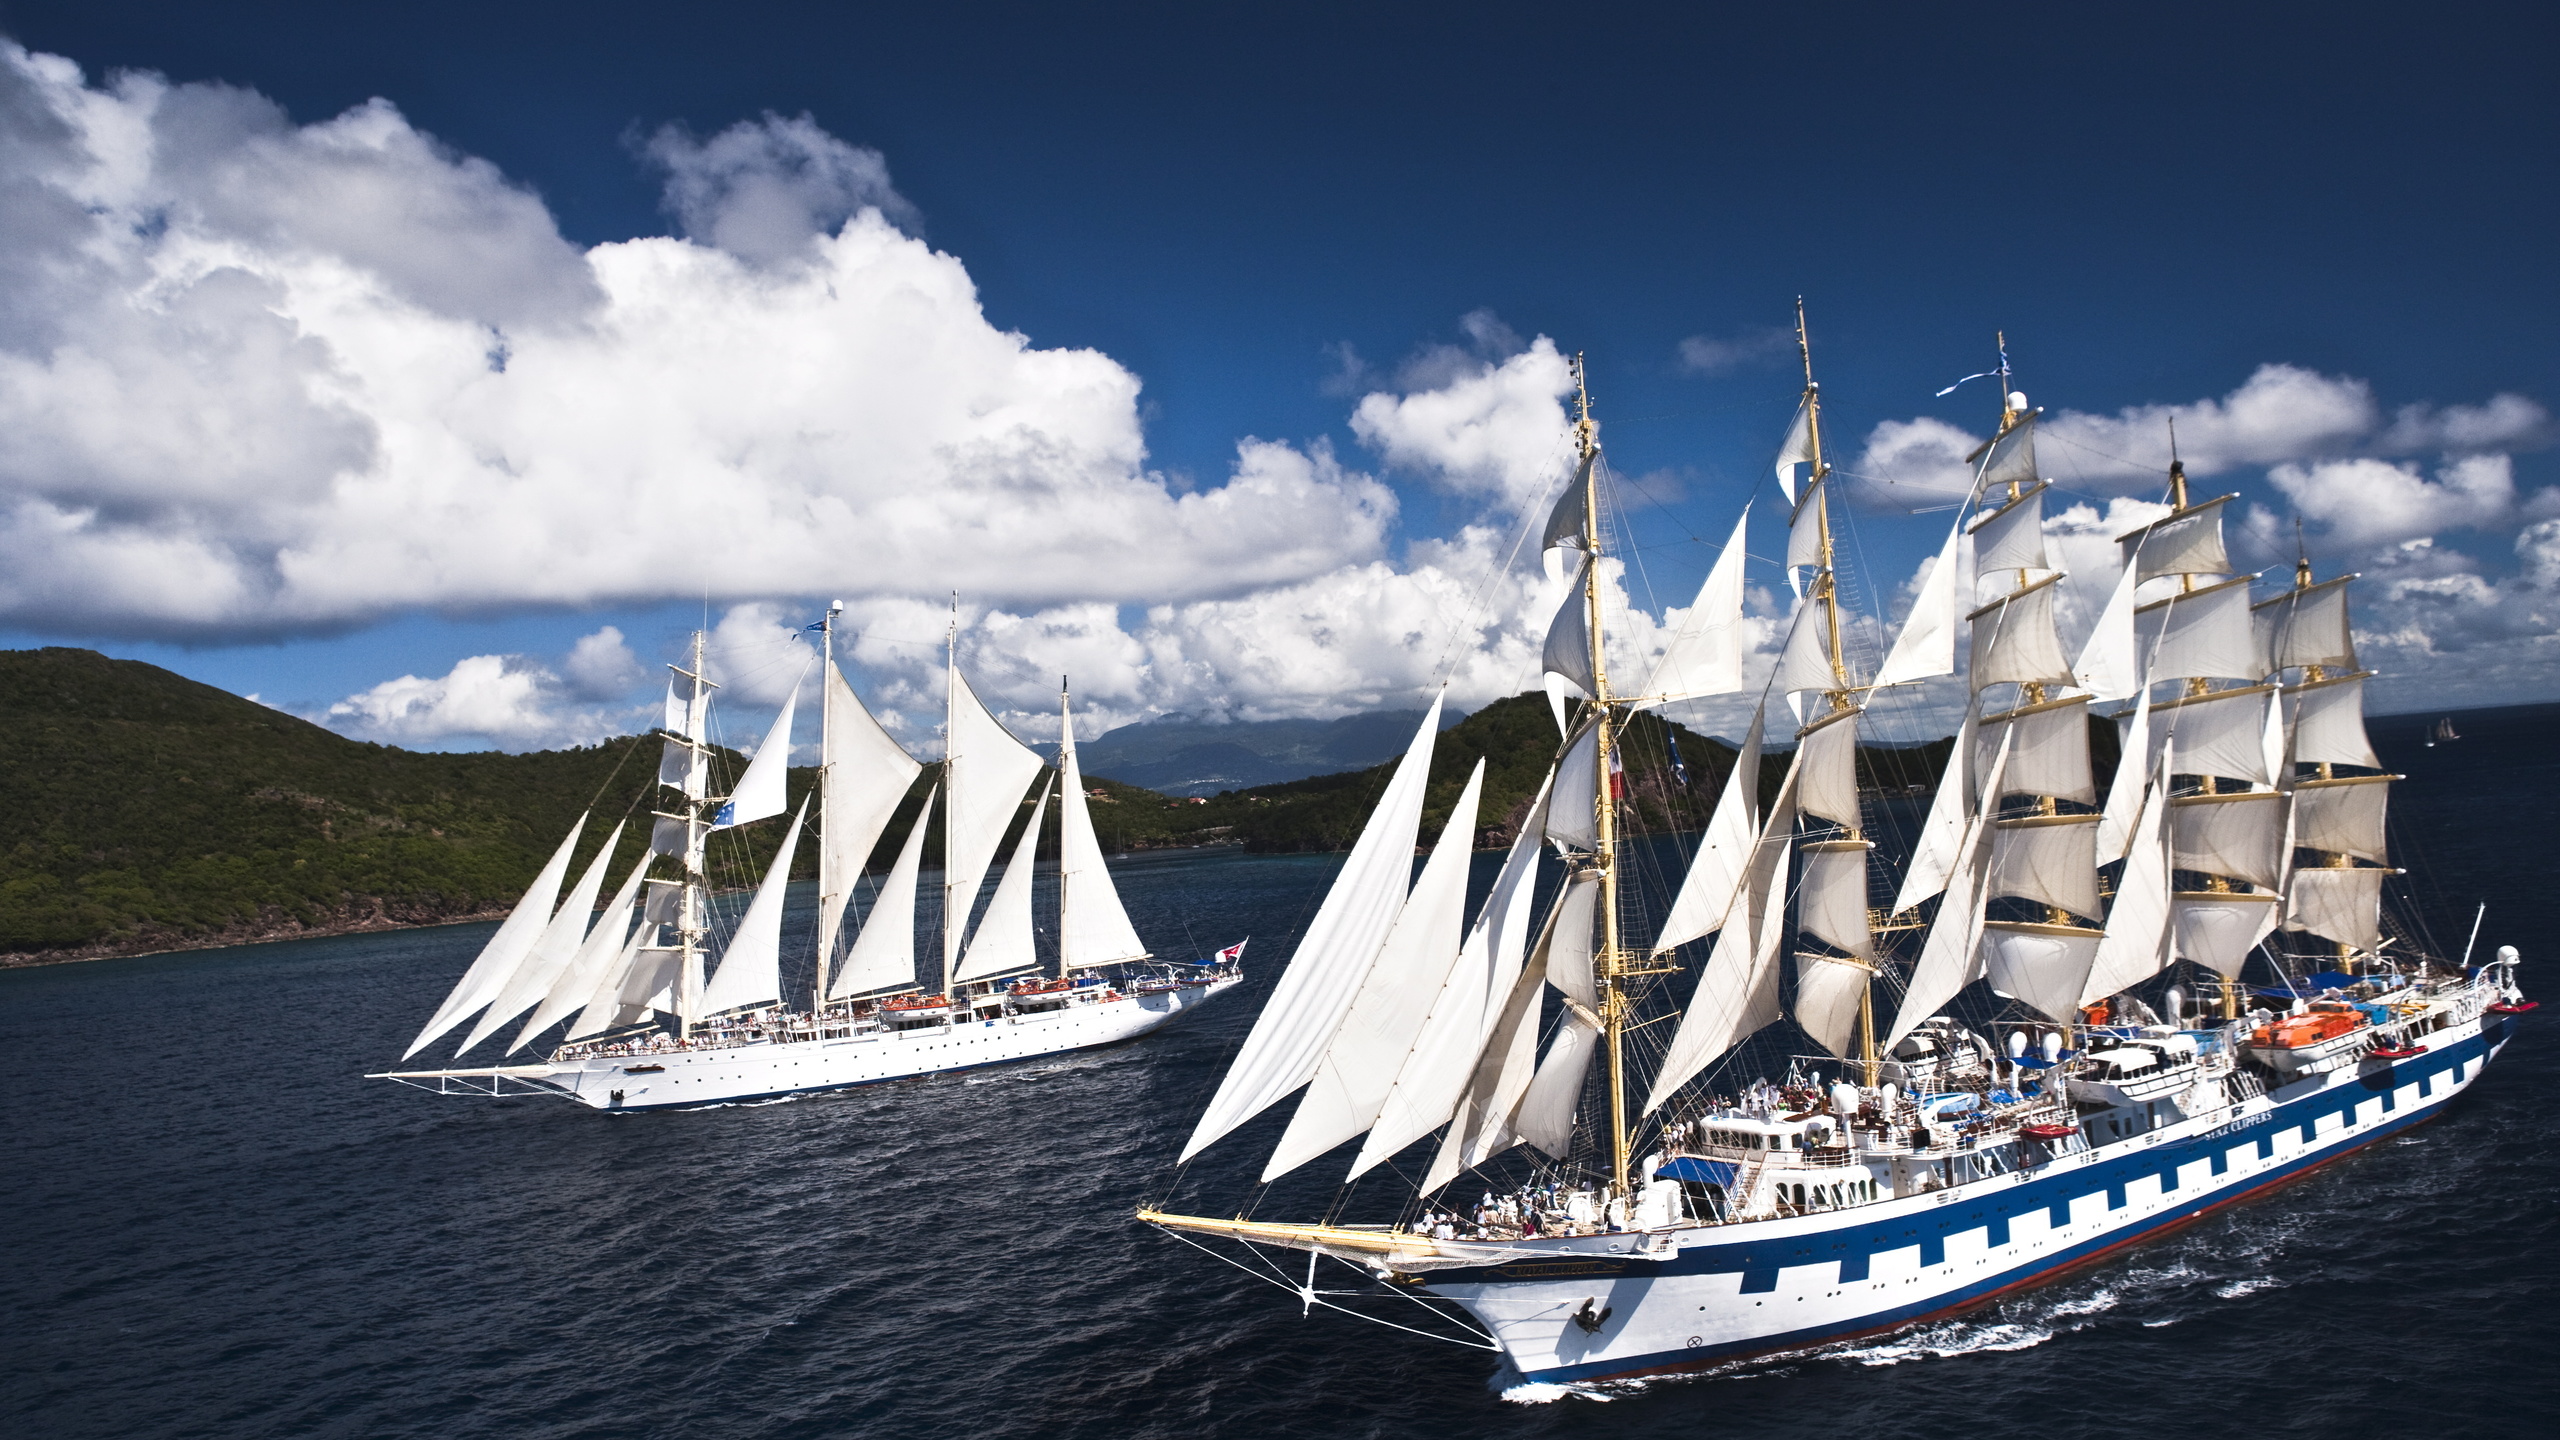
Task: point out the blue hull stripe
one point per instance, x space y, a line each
1759 1262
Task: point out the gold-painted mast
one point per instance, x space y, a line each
1826 589
1611 970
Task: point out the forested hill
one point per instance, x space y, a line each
151 812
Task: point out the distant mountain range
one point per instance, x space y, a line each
1178 755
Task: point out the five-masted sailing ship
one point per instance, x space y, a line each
651 1026
1631 1223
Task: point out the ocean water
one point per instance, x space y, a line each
213 1227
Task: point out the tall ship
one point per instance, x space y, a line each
652 1023
2183 985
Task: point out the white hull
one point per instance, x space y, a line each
658 1080
1694 1296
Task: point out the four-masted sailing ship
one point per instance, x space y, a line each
1922 1161
651 1026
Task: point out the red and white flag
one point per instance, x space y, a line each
1233 953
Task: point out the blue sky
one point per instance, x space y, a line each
1259 223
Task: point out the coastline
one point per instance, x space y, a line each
266 929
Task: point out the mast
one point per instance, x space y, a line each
1066 746
1610 968
826 758
1826 589
951 924
693 914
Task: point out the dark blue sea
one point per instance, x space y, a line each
214 1228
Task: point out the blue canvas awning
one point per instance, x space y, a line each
1689 1167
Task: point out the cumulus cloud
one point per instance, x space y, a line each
260 379
1490 429
508 702
765 190
2361 503
601 666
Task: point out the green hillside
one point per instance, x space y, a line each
153 812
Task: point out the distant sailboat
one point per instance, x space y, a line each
2443 733
652 1029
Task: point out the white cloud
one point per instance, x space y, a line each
2362 503
1489 429
601 667
259 378
1718 354
504 701
765 191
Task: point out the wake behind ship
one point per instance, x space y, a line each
1587 1220
650 1026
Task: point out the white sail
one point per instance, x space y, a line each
2012 537
606 1009
553 951
2014 640
2131 782
759 795
1003 943
2009 459
2241 836
1447 1051
2328 724
1926 647
1573 819
498 959
1093 926
1704 656
596 954
678 711
1828 989
2204 632
1796 449
2136 946
2051 859
1378 1029
1545 1118
1737 992
985 772
883 956
1333 958
1706 892
2110 664
1942 834
1949 957
2223 734
1831 899
1481 1127
682 767
865 775
2048 750
1568 652
1568 942
2340 905
2218 930
1828 759
1805 664
2044 966
751 968
2306 626
1807 527
2188 542
1565 523
2343 816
